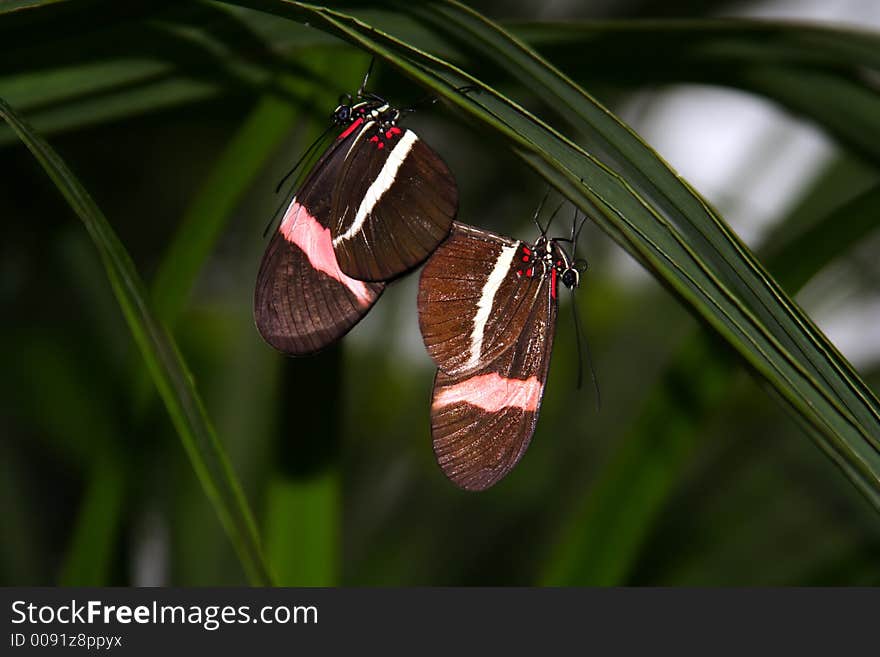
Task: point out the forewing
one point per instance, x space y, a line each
392 206
475 296
482 422
303 302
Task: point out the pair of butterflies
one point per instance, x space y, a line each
378 203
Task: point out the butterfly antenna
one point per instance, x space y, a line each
538 212
555 212
583 350
576 233
366 77
275 215
577 335
278 215
305 156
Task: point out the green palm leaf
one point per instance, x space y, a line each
170 374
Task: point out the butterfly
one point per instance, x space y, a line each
376 204
487 312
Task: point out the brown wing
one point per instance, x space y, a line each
392 206
303 302
482 422
475 296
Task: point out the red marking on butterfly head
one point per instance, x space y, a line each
374 138
380 145
351 128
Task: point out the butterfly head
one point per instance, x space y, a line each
566 268
345 111
348 111
554 260
342 115
377 110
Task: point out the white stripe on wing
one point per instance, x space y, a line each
487 298
380 185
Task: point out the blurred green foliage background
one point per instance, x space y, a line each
180 139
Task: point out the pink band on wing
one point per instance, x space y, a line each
301 228
492 392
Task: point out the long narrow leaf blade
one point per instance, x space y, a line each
170 374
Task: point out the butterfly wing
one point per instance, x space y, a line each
303 301
475 298
482 422
392 205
